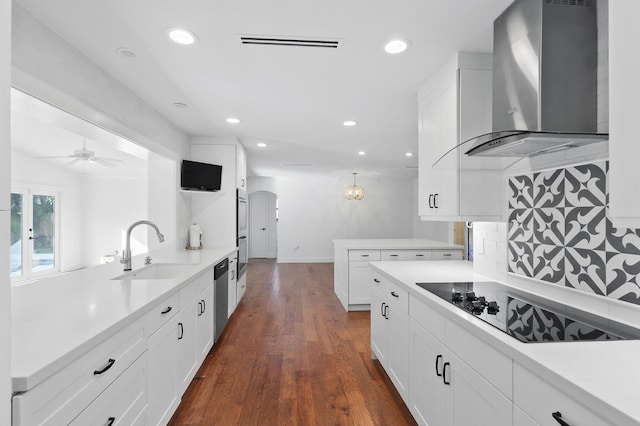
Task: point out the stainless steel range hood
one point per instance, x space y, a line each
544 79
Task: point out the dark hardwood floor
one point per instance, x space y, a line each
291 355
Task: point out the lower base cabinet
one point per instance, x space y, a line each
444 390
539 402
163 378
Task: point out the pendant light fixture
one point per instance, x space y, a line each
354 192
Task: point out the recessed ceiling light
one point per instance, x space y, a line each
409 154
396 46
182 36
261 144
233 120
180 105
349 123
126 52
361 153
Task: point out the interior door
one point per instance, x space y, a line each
262 225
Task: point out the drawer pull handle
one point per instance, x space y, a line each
558 417
393 255
166 311
444 373
438 373
181 331
419 255
447 255
394 294
376 280
364 255
105 368
382 308
110 421
386 316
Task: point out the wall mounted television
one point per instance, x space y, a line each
196 176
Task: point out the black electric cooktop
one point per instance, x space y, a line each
528 321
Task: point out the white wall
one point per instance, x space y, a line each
5 178
30 171
111 206
313 212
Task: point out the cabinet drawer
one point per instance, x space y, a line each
364 255
161 313
491 364
124 401
418 254
428 318
60 398
393 255
396 297
539 400
446 254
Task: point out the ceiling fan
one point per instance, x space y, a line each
88 156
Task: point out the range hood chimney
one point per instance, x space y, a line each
544 79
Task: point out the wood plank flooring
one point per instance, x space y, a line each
291 355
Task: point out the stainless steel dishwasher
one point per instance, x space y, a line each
221 287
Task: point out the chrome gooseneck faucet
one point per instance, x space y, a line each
126 255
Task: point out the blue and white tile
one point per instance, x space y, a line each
548 189
521 225
586 270
586 227
622 240
623 277
586 185
548 226
520 192
520 258
548 263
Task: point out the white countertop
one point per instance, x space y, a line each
396 243
57 319
590 372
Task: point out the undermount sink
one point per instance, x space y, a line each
157 271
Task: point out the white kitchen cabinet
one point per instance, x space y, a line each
454 106
123 403
204 324
232 297
162 354
520 418
541 401
360 276
444 390
241 168
241 287
60 398
624 87
352 276
390 331
187 345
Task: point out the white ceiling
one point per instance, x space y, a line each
41 130
293 98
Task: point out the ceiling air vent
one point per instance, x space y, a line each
325 43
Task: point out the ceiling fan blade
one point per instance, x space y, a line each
58 156
104 162
74 161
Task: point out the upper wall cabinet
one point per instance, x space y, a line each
624 90
454 106
241 168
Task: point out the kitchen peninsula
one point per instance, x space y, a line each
352 275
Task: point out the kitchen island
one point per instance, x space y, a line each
351 257
497 378
97 320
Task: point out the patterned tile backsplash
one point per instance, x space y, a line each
559 231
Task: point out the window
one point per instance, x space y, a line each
34 233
